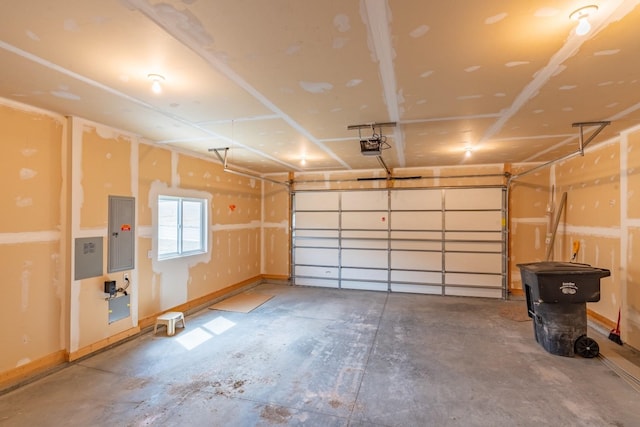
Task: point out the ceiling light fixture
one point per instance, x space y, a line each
581 15
467 152
156 82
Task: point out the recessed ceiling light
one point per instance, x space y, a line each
581 15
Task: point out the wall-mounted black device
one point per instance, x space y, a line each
110 287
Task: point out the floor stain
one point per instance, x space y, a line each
276 414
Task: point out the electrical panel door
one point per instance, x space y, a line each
121 233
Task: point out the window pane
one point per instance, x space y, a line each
167 226
182 226
192 226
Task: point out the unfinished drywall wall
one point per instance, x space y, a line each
630 233
101 168
531 212
593 184
114 163
31 231
276 236
234 237
592 217
631 292
30 167
105 171
59 173
602 215
236 222
154 168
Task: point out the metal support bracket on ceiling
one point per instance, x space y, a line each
384 166
226 168
581 146
582 143
372 126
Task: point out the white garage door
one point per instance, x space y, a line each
436 241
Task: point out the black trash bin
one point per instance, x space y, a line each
557 293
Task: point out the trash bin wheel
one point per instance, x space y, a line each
586 347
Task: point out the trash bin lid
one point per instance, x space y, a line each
558 267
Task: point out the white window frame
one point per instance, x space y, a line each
179 241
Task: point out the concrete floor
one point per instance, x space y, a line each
325 357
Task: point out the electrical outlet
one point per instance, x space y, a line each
126 277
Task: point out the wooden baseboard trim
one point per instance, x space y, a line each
16 376
600 319
516 292
277 277
104 343
198 303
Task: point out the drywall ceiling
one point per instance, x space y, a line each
278 82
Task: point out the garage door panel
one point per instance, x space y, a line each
319 272
364 234
364 244
318 282
317 233
472 292
416 220
307 242
317 201
416 200
474 246
415 260
364 274
472 221
364 220
416 234
364 285
470 279
417 245
317 256
416 289
473 198
473 263
488 236
365 200
364 258
409 276
320 220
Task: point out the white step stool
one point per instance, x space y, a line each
169 319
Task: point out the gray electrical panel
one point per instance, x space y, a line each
88 257
121 249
